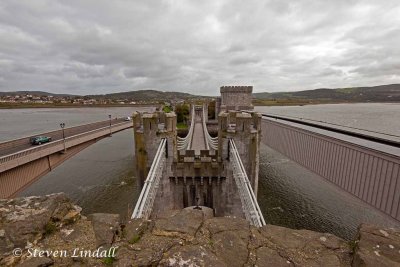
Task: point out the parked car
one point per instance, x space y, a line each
38 140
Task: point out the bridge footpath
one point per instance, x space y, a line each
21 163
198 139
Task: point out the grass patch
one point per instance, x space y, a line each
181 125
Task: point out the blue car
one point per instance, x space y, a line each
38 140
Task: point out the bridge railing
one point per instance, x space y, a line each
250 205
210 141
30 154
186 142
144 205
56 134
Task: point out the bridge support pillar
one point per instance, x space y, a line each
245 130
149 129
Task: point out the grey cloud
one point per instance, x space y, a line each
87 47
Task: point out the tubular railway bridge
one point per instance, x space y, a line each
221 172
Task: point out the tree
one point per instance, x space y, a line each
182 112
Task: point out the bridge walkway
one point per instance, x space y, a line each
198 139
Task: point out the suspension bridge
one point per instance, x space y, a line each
200 142
219 171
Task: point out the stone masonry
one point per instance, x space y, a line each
236 98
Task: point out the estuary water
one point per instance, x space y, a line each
102 177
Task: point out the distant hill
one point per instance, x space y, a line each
381 93
35 93
143 95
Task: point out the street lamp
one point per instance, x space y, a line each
62 125
109 116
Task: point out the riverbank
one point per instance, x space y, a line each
50 231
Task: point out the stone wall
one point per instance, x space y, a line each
236 98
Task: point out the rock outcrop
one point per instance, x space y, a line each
190 237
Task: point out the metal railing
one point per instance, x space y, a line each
144 205
186 142
249 202
210 141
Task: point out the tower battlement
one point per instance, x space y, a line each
236 89
236 98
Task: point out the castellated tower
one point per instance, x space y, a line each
149 129
236 98
245 129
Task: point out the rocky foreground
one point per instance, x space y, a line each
50 231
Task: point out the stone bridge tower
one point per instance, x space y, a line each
149 129
202 175
243 127
235 98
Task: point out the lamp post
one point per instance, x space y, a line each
62 125
109 116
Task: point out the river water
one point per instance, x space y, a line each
101 178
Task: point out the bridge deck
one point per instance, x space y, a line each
198 139
14 146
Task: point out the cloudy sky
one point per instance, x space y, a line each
103 46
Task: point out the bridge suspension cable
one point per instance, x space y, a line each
249 202
144 205
186 142
210 141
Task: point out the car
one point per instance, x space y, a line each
38 140
127 119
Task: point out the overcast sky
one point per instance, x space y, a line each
196 46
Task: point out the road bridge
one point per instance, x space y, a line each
21 163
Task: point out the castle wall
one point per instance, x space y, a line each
236 98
